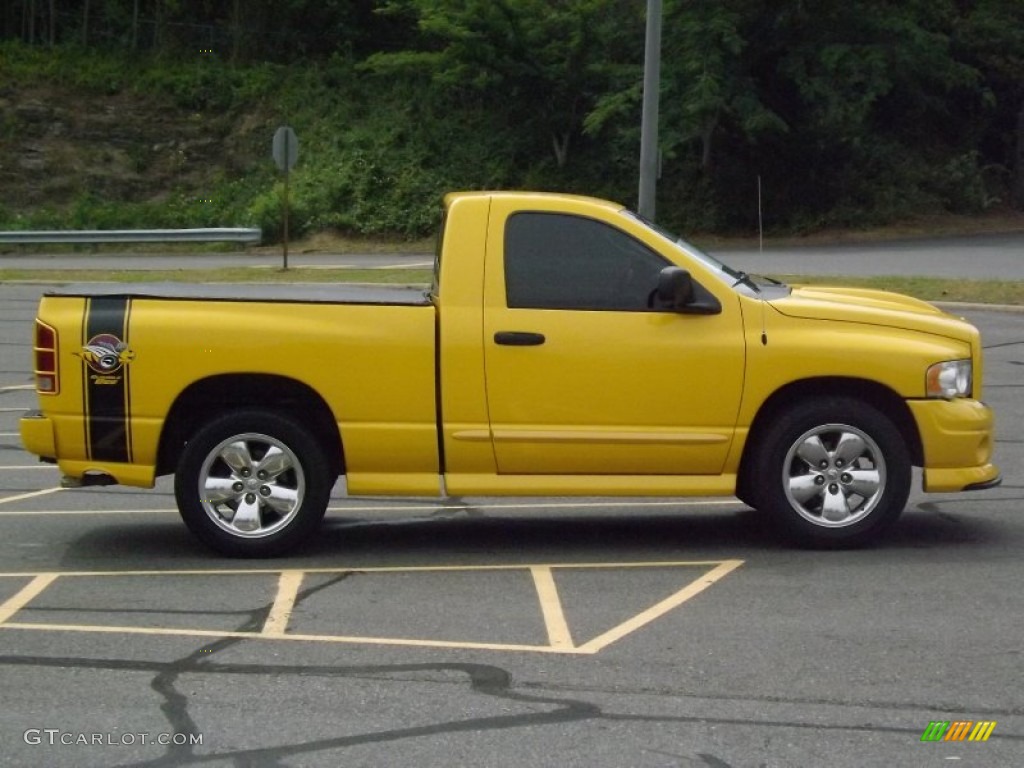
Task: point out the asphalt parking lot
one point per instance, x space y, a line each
506 632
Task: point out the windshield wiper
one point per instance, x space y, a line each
743 277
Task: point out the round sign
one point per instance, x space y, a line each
286 148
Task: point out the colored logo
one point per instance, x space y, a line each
106 354
958 730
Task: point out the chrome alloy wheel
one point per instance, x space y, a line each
834 475
251 485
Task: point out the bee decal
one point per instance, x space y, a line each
106 353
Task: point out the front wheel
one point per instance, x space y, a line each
253 484
833 472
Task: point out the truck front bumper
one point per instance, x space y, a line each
957 440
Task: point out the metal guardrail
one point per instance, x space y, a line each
209 235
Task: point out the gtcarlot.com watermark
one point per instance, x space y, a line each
54 737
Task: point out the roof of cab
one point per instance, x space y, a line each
525 196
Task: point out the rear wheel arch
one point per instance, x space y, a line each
253 483
207 399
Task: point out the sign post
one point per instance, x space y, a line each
286 153
649 116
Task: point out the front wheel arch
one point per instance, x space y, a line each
833 471
868 392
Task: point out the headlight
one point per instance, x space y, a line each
952 378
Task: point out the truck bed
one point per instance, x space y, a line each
327 293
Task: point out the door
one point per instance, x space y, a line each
582 376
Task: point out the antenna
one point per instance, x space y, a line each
764 332
760 250
760 218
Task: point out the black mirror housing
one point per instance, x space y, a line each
678 292
675 288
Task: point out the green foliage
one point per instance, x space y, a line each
851 112
544 65
102 72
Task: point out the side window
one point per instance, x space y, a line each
435 284
558 261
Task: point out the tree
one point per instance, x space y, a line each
544 63
990 36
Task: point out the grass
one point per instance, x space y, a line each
942 225
927 288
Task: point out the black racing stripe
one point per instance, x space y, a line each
107 394
85 381
127 387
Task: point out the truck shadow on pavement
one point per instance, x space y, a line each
518 539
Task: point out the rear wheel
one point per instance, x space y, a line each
253 484
833 472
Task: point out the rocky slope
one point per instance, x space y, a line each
58 144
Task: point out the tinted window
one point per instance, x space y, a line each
556 261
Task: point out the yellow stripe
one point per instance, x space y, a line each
551 607
32 495
407 642
287 592
14 604
660 609
289 584
732 564
393 508
983 730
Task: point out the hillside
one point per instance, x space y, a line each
60 143
92 140
174 136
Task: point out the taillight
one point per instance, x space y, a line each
45 349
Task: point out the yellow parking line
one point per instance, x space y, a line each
661 608
407 642
287 592
32 495
402 508
551 607
386 569
80 512
14 604
290 581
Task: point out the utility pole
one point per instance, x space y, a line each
649 119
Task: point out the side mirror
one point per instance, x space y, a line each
677 292
675 288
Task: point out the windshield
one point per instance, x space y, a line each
735 278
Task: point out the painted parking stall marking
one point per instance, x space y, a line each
43 601
356 509
30 495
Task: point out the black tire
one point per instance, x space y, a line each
253 483
833 472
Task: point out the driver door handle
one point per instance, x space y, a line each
518 338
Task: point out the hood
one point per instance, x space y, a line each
865 305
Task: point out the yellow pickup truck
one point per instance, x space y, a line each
566 347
